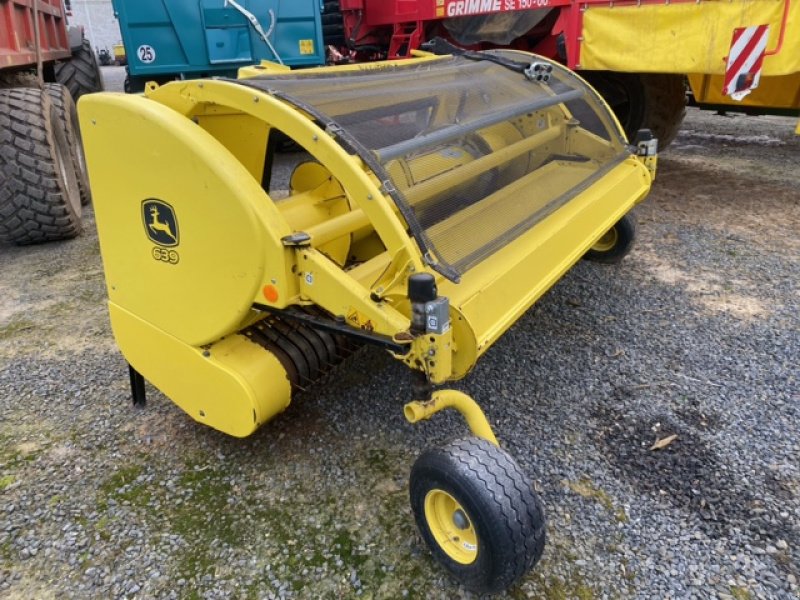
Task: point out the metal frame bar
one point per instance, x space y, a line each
453 132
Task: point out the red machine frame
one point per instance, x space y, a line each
408 18
18 32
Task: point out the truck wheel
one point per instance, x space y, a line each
81 74
477 512
333 24
616 243
39 196
643 101
68 115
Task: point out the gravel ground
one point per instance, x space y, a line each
696 334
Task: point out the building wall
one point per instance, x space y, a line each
98 21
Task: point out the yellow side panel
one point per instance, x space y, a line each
684 37
244 135
186 234
772 92
233 386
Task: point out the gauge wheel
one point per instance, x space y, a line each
616 243
478 513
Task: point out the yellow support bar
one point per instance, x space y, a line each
441 183
336 227
476 421
324 283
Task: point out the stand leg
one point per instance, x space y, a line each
137 388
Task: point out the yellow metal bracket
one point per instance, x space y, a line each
272 69
651 162
647 153
324 283
432 353
476 421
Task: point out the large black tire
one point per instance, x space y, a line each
616 243
68 114
478 513
81 74
643 101
333 24
39 195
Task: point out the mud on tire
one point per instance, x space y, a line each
39 195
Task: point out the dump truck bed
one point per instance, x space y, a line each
17 33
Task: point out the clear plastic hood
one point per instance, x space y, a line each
473 153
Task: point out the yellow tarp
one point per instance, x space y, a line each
775 92
684 37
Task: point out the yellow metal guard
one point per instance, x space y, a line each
478 424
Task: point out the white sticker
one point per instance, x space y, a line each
146 54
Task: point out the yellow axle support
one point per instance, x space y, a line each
476 421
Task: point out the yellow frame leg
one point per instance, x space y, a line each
476 421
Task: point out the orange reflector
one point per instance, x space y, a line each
271 293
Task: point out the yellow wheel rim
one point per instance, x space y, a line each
607 242
451 527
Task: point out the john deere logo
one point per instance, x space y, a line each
160 223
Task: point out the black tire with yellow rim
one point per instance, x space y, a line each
478 513
616 243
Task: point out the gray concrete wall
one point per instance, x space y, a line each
98 21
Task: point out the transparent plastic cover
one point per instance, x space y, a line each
473 153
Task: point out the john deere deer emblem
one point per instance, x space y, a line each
160 223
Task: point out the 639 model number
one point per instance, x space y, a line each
166 255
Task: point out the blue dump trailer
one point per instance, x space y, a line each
187 39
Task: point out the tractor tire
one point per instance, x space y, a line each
39 196
616 243
81 74
478 513
333 24
643 101
68 114
666 106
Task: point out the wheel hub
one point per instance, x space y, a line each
607 242
460 520
451 526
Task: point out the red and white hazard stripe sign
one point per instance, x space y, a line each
745 60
